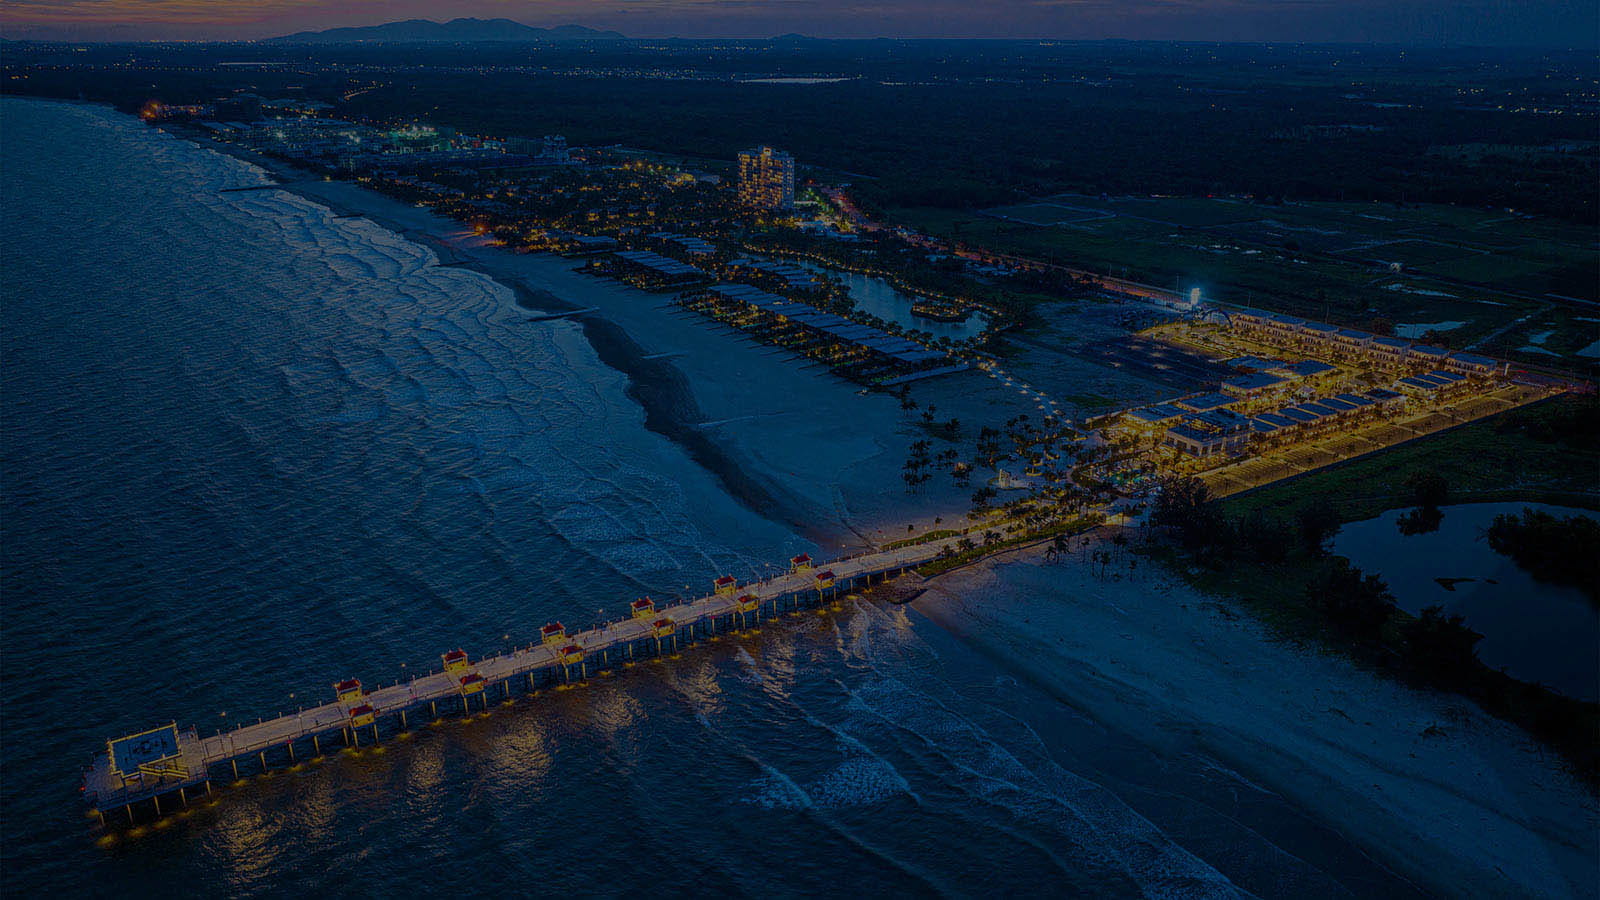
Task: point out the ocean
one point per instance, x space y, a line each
250 448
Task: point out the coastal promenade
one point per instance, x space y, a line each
186 767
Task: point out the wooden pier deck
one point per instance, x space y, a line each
275 742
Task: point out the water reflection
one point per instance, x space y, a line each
882 299
1535 631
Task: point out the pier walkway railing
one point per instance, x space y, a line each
277 741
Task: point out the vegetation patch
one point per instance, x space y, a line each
1268 550
1557 549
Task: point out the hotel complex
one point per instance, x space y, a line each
1273 402
766 179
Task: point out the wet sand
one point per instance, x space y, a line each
1452 798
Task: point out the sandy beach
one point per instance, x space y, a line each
1430 784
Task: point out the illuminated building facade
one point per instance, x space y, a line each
766 178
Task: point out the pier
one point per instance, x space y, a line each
159 770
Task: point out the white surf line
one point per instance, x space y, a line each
748 418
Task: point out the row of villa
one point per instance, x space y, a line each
1381 351
1205 425
1220 430
860 352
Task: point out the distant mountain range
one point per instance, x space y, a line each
416 31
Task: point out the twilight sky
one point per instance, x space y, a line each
1558 23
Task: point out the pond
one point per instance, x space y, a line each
1534 631
877 296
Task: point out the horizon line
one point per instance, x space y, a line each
282 40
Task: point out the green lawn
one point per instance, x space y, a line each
1482 461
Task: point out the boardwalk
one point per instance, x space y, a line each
558 657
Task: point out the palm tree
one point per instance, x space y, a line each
1060 545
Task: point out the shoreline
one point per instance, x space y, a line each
1431 784
661 389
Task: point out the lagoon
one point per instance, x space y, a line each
1534 631
877 296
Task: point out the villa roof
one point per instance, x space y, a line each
1157 413
1303 416
1417 382
1252 382
1206 401
1255 363
1306 368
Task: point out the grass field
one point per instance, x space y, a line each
1045 213
1483 461
1487 268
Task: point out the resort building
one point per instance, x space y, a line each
1473 365
1254 363
1305 370
1148 418
1354 345
1436 385
654 272
1210 433
698 248
774 273
766 179
1388 352
860 351
1252 386
1205 402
